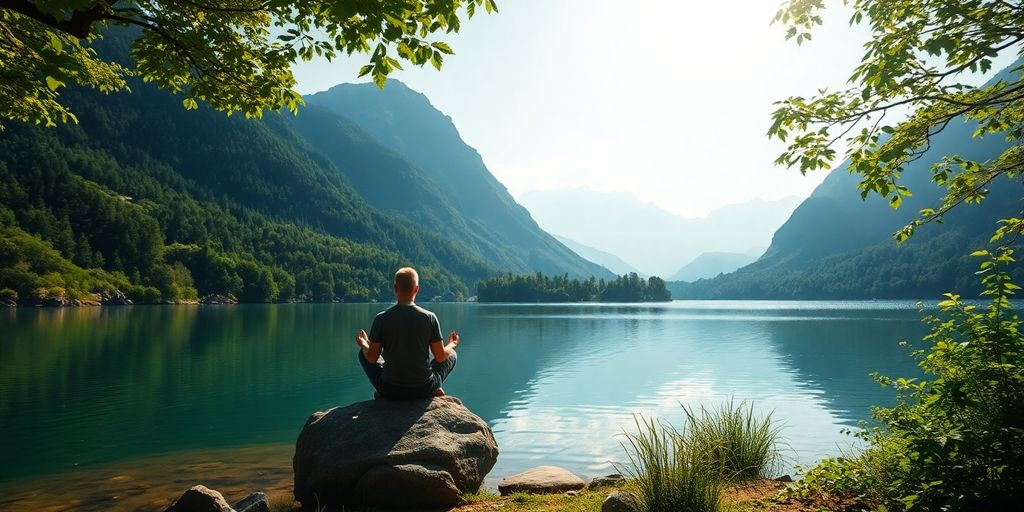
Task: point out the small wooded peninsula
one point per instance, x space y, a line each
540 288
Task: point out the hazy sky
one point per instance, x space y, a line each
668 99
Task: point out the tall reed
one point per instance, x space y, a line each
669 473
687 469
745 445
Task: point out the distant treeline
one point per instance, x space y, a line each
541 288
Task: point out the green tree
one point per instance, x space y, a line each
955 440
236 55
916 59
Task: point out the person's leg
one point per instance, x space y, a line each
441 371
373 370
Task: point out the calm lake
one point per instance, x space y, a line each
107 405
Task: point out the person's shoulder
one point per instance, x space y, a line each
425 311
384 313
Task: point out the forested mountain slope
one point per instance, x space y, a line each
404 121
245 206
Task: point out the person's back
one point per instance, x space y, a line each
406 335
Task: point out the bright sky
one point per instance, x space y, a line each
667 99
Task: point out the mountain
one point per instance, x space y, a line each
436 172
606 260
658 242
710 264
164 204
836 245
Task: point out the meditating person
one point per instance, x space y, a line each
406 335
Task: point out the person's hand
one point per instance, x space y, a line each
362 340
453 339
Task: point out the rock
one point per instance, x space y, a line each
393 453
8 303
606 481
255 502
217 298
199 499
620 501
55 301
113 298
784 478
541 480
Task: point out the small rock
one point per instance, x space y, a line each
572 493
620 501
199 499
606 481
784 478
541 480
8 303
255 502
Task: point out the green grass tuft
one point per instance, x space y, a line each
744 445
672 469
667 472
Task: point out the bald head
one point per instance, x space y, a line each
407 282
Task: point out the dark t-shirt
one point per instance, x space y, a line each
406 333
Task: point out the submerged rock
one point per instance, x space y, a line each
199 499
541 480
415 453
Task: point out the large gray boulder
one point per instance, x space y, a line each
415 453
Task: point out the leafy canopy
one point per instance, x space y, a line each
914 64
235 55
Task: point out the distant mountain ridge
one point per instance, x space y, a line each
710 264
648 237
605 259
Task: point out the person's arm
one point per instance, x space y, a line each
442 351
371 349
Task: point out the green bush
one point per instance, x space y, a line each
669 472
954 441
8 294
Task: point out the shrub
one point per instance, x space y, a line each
8 294
954 441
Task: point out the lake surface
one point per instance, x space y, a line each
89 396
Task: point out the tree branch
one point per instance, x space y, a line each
78 25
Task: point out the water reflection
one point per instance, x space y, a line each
95 386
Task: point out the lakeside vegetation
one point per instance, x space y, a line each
541 288
690 467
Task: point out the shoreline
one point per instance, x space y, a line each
153 482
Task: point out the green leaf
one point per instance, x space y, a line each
53 83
